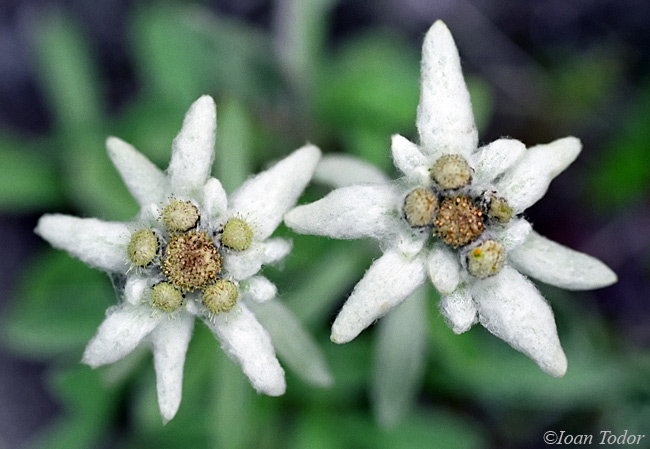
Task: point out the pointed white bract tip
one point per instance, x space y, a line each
558 367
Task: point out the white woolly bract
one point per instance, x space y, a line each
459 310
146 182
170 340
389 280
193 149
98 243
121 332
558 265
443 269
246 342
366 210
528 179
445 120
511 308
264 199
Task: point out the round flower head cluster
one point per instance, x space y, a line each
192 252
455 217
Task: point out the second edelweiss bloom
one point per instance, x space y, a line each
192 252
455 217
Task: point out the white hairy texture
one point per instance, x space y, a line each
459 310
259 288
445 120
407 156
349 213
341 170
266 197
146 182
246 342
170 340
136 288
510 307
193 149
294 346
443 268
98 243
495 158
528 179
243 264
389 280
558 265
121 332
215 201
514 234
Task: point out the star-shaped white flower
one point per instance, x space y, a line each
192 252
455 218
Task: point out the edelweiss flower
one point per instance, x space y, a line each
455 217
191 252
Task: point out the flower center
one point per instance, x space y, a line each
499 210
166 297
143 247
220 297
486 259
451 171
191 260
459 221
180 216
237 234
420 207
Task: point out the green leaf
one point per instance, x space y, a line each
400 358
67 72
89 409
29 180
292 343
57 307
371 83
233 162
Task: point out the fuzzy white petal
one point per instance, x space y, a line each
243 264
245 341
266 197
193 149
170 340
259 288
528 179
275 249
409 242
459 310
511 308
146 182
443 268
495 158
341 170
121 332
515 233
294 345
136 288
558 265
389 280
100 244
445 120
215 201
406 155
349 213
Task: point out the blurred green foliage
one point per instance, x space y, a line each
465 391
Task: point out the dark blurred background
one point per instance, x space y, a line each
537 70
